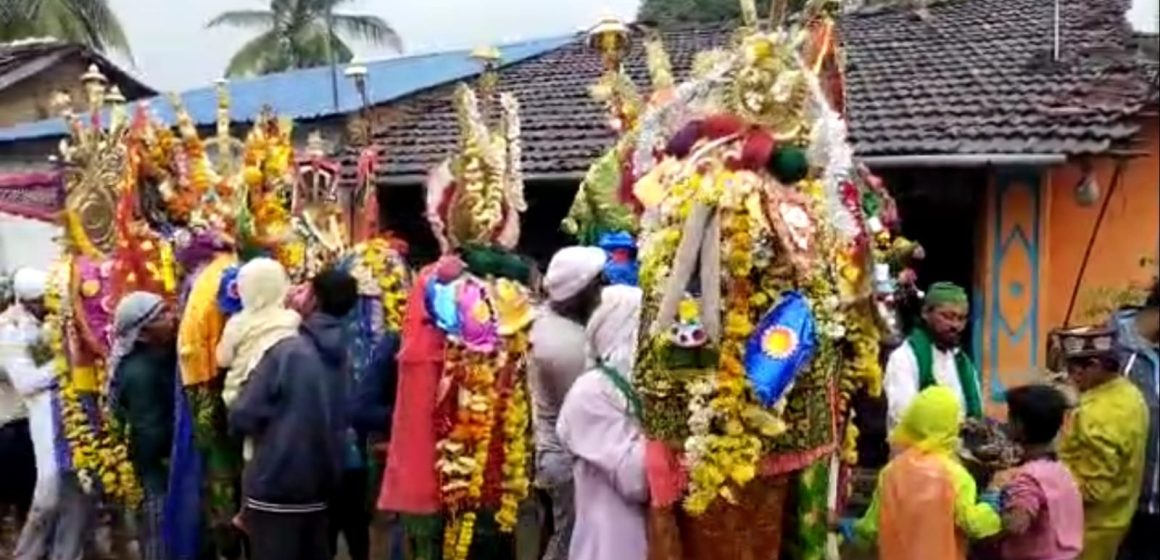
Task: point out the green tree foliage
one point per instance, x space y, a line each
668 12
301 34
88 22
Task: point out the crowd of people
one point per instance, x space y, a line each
1086 479
1084 486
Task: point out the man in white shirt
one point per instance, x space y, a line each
59 515
931 356
558 340
17 463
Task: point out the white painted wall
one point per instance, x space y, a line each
25 242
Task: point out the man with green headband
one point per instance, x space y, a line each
931 355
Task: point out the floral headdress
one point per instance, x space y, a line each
476 196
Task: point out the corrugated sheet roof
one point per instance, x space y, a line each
308 94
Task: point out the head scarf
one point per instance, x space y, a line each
612 329
572 269
29 283
263 286
931 422
133 313
945 293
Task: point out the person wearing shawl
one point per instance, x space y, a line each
572 284
263 287
264 320
931 356
295 407
924 490
1105 442
143 366
599 425
57 522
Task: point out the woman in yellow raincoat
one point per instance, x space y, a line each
926 505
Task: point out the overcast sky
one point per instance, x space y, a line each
173 51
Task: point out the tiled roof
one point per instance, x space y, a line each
22 59
977 76
308 94
973 76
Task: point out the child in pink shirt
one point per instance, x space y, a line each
1042 506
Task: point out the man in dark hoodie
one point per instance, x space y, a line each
294 409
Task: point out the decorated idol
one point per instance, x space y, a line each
759 240
460 470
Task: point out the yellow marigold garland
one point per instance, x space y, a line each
515 428
97 455
727 457
386 268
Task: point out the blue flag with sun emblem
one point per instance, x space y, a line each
780 347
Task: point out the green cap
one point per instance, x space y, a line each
945 293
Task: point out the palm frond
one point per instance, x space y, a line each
372 29
103 26
88 22
315 51
260 19
261 55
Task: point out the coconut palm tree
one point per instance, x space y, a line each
301 34
89 22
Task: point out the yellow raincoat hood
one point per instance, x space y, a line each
931 422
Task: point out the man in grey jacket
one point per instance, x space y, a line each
294 409
572 284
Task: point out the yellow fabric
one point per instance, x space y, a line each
926 489
1104 448
930 423
201 324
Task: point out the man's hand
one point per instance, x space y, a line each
41 352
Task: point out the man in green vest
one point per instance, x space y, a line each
932 355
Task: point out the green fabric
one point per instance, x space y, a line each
487 261
145 382
945 293
807 541
625 388
424 536
974 519
923 346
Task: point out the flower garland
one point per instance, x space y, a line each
723 459
391 275
99 458
464 452
516 420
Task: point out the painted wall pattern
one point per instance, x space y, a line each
1011 326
